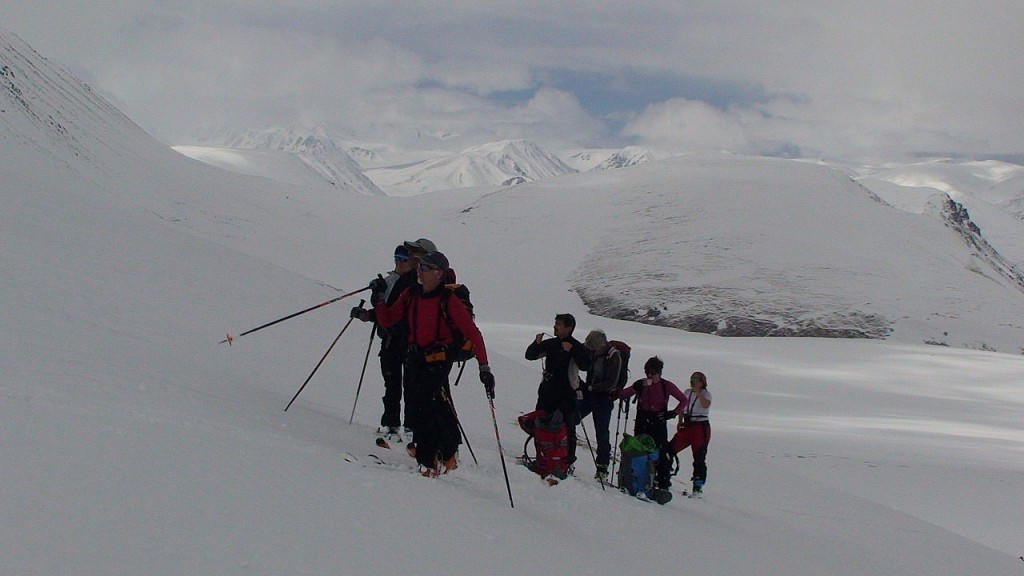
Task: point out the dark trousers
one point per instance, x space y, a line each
601 407
648 423
436 430
392 362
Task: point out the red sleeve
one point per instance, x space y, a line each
464 322
388 316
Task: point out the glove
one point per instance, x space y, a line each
360 313
667 415
378 285
487 379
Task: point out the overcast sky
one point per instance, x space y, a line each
835 78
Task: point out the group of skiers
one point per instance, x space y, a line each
563 395
425 322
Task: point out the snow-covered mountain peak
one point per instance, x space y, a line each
313 147
502 163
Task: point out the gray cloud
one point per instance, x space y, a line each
831 78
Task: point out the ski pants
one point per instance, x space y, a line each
696 436
601 406
436 430
396 388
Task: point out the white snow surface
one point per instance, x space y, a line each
134 443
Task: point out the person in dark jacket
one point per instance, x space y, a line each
564 356
432 314
652 415
602 381
393 344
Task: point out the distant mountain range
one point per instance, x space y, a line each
400 172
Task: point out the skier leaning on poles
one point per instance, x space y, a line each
433 314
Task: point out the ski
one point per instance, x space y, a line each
375 461
383 443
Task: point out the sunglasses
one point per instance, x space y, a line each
426 267
400 258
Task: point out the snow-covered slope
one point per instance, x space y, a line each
990 191
134 444
505 163
757 246
292 155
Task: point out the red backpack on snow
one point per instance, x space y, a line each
550 437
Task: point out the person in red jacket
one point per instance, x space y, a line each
433 315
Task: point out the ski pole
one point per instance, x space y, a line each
329 348
589 445
615 446
231 338
501 453
451 405
373 332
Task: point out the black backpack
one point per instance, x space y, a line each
461 348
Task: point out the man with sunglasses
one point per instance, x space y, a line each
432 315
392 345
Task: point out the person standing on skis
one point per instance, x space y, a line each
394 339
434 316
652 414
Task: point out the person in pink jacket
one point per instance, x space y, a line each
652 414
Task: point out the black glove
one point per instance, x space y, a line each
667 415
378 285
487 379
360 313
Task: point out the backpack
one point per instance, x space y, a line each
624 351
461 348
550 440
639 455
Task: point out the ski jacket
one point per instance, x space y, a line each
427 328
654 397
561 372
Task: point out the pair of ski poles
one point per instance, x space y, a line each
230 339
